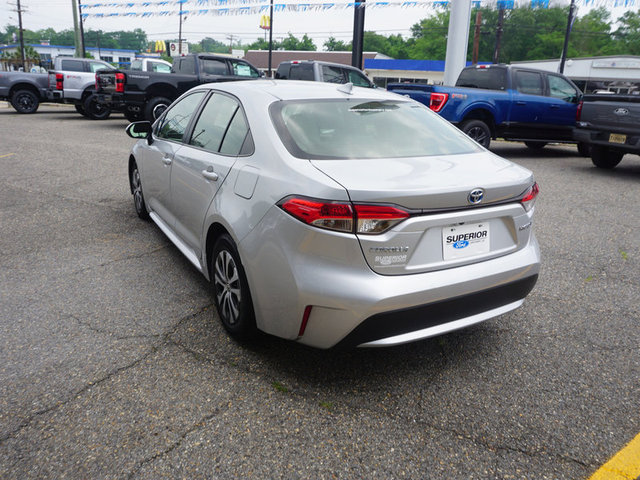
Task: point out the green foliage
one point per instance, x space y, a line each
333 45
290 42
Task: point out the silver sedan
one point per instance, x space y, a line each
336 215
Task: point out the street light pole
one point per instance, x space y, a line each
270 35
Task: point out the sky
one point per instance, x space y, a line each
58 14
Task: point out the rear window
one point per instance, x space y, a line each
301 71
363 129
72 65
487 78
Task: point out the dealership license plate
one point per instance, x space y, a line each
617 138
460 241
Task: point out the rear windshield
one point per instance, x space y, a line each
362 129
488 78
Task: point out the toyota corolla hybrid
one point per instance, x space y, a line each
336 215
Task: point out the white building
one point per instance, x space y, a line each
620 74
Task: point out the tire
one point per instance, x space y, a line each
80 109
584 149
136 190
155 107
95 110
535 145
478 131
231 291
603 157
133 116
25 101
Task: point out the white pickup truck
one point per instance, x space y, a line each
73 80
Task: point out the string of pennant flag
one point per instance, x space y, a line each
160 8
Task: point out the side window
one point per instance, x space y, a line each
332 74
358 79
560 88
176 120
188 65
214 67
236 134
242 69
95 66
301 71
529 83
72 66
136 65
159 67
283 71
213 123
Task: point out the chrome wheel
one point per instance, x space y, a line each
227 287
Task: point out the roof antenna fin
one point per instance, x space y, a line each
346 88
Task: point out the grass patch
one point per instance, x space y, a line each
280 387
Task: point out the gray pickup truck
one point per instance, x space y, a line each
24 90
610 125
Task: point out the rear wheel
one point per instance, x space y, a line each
155 107
535 145
80 109
25 101
603 157
584 149
478 131
133 116
231 290
94 109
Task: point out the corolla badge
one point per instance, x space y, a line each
461 244
621 111
475 196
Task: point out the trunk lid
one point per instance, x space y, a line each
444 229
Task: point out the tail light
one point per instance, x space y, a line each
579 111
59 81
120 82
438 101
529 198
344 217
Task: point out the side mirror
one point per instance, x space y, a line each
139 130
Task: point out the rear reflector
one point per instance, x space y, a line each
343 217
529 198
305 320
437 101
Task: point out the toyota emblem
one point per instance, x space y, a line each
475 196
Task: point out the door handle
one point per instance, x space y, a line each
555 106
520 102
167 160
209 174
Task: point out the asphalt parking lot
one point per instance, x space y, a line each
114 365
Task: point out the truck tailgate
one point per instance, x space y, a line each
615 113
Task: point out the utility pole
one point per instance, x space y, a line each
496 52
21 37
563 57
357 43
476 38
76 29
81 31
180 33
230 37
270 35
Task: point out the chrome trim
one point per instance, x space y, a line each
186 251
444 328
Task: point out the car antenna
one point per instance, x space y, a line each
346 88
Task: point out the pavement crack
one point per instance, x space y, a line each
136 256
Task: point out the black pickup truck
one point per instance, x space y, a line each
148 94
610 125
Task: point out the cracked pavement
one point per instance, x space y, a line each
113 363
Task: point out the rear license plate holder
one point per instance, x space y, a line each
617 138
467 240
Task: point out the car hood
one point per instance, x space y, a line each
433 182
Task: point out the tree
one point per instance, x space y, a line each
628 34
333 45
292 43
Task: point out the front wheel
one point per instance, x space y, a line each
80 109
94 109
603 157
478 131
231 290
155 107
136 190
25 101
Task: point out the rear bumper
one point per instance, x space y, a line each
122 100
55 95
602 137
291 268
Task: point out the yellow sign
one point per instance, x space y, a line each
265 22
160 46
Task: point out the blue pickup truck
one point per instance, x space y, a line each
506 101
